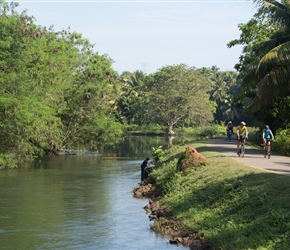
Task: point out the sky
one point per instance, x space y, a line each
148 35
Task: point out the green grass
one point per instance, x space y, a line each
235 206
209 130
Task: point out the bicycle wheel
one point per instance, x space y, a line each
266 151
242 150
269 152
230 136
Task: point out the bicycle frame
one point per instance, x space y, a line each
230 133
242 147
267 149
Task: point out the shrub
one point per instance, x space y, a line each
157 154
212 130
282 142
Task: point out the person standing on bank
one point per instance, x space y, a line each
143 166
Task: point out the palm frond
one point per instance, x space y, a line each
277 57
278 11
264 47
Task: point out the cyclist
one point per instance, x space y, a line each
267 135
230 126
242 133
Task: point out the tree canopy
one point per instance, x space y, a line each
55 90
178 92
264 66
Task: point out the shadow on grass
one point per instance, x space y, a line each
248 212
237 210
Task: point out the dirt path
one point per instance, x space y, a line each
253 158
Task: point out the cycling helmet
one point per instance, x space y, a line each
243 123
229 122
266 126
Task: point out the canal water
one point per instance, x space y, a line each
81 201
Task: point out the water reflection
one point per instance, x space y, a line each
79 202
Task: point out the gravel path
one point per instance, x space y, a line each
253 157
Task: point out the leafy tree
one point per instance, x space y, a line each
29 122
55 90
264 66
178 92
90 116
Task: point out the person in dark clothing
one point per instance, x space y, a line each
143 166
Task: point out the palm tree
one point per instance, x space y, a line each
271 76
230 109
221 85
132 98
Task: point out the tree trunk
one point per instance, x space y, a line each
170 131
170 139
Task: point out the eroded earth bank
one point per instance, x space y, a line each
164 223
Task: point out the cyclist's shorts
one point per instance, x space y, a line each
242 137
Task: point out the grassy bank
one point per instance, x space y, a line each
236 207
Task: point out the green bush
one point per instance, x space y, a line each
157 154
212 130
282 142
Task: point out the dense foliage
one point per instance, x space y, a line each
180 96
264 65
55 91
176 93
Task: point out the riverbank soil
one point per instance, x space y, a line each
164 223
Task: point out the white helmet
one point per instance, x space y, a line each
229 122
243 123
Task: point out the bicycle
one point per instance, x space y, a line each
267 150
230 133
242 147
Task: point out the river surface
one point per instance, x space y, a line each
81 201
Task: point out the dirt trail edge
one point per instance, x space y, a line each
253 157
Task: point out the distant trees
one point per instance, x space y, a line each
168 97
180 95
132 102
225 92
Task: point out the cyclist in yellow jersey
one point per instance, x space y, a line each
242 132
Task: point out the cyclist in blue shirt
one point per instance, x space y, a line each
267 135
